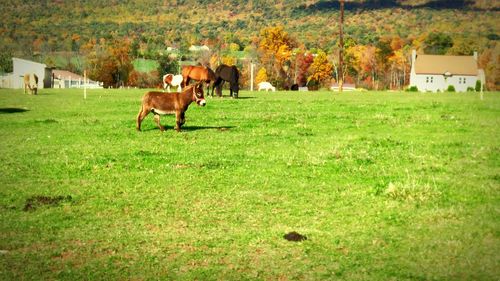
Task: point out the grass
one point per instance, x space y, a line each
386 186
145 65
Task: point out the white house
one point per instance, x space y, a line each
436 73
14 80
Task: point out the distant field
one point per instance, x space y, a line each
145 65
386 186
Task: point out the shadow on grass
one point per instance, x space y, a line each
229 97
196 128
6 110
192 128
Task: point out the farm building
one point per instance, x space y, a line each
432 73
14 80
47 77
67 79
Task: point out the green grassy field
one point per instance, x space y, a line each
145 65
386 186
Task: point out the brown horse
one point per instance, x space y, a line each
161 103
199 73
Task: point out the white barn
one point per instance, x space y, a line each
14 80
47 77
432 73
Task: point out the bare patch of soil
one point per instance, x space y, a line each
38 201
294 237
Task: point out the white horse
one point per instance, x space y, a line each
266 86
172 80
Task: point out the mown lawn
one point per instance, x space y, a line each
386 186
145 65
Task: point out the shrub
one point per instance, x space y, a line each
470 89
412 89
451 88
478 85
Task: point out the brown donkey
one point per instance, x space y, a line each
161 103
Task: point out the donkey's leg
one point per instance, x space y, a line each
183 118
179 120
157 120
142 114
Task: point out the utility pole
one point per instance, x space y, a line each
251 74
341 48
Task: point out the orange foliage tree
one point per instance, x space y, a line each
321 69
275 47
108 62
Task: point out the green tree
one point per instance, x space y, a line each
6 62
437 43
167 64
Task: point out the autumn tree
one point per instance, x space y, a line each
108 62
303 61
393 63
119 52
489 60
321 69
261 75
363 61
276 47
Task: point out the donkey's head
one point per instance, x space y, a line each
198 95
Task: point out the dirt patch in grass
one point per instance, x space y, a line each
38 201
294 236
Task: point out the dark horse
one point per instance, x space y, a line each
229 74
199 73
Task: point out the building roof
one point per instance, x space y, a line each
454 65
28 61
66 74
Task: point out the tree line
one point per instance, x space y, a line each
378 40
280 58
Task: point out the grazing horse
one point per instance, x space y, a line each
172 80
161 103
31 83
266 86
199 73
229 74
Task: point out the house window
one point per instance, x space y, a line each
429 79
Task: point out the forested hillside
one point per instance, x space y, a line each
379 34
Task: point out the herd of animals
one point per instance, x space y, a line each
177 103
160 103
